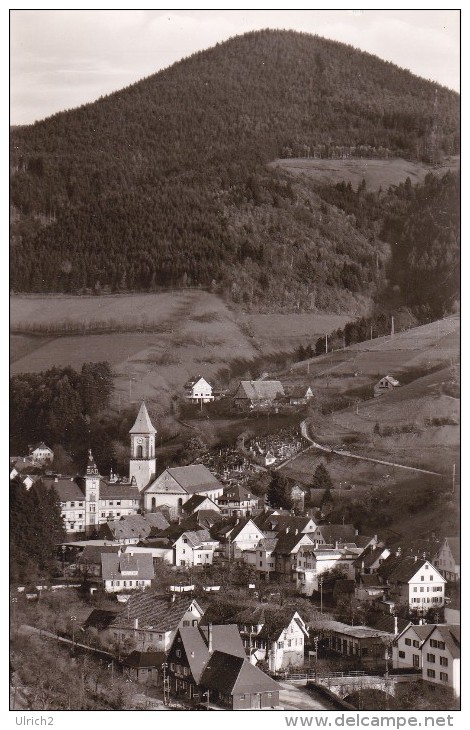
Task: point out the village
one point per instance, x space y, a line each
208 593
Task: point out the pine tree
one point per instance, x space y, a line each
279 492
321 478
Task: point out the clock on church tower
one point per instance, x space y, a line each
142 465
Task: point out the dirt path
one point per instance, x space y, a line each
341 452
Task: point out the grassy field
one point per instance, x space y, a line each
153 341
376 173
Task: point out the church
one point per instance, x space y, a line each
90 500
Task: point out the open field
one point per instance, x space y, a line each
377 173
153 341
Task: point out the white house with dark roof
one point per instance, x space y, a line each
406 649
41 453
125 572
413 581
197 389
194 548
244 535
150 622
447 560
237 501
441 657
311 563
175 486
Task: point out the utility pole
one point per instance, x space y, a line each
393 327
326 344
321 595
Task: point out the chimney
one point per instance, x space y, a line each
296 530
209 638
136 623
395 628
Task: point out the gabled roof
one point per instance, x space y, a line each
287 542
402 569
91 554
118 490
235 675
195 642
144 659
454 545
197 537
192 479
450 633
278 523
370 555
387 623
337 533
39 445
194 380
241 525
422 631
67 488
390 379
237 493
99 619
115 567
194 502
131 526
143 424
297 391
153 611
268 543
259 389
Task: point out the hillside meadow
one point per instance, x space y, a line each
378 173
153 341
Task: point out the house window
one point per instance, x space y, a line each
422 577
444 677
141 635
408 642
103 514
431 673
280 645
80 504
441 645
80 516
186 623
178 653
443 661
415 589
401 654
72 504
118 503
431 658
416 643
172 666
111 503
426 567
421 590
431 577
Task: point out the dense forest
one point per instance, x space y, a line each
165 182
60 405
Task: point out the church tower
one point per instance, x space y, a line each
92 494
143 465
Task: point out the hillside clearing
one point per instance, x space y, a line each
378 173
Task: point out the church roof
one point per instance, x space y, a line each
143 424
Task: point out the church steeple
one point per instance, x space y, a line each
142 466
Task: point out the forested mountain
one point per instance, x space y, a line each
165 183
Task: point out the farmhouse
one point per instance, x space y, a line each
257 393
150 622
298 395
198 390
126 572
237 501
412 581
41 453
385 384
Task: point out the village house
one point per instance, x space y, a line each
199 502
441 657
198 390
195 548
144 667
334 535
258 393
125 572
285 552
265 561
237 501
242 536
132 529
274 637
274 522
371 559
368 587
149 622
370 646
406 649
161 550
175 486
298 395
207 665
385 384
412 581
311 563
88 564
447 560
41 453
